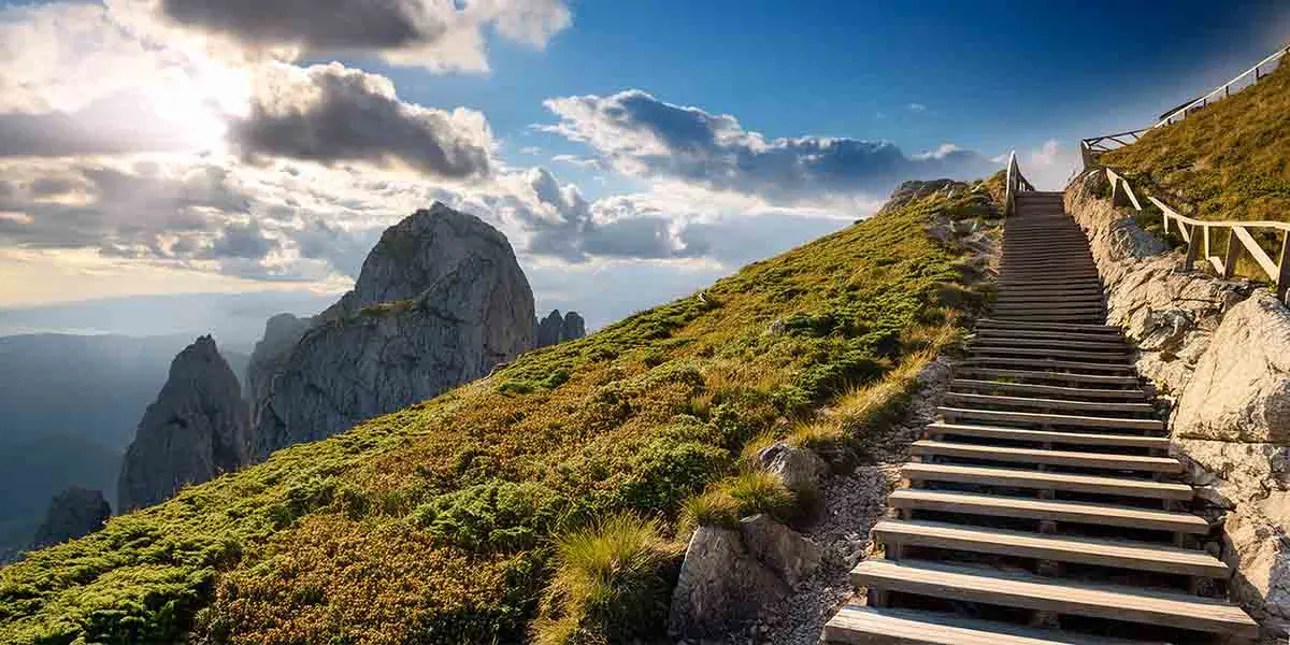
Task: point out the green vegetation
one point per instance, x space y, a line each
1230 160
479 516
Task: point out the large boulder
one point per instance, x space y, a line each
440 300
730 574
195 430
800 468
73 513
1240 389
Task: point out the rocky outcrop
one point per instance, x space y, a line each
556 329
440 300
75 512
281 333
1220 350
800 468
196 429
729 575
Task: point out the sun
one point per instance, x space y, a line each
198 100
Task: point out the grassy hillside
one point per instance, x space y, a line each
1230 160
542 502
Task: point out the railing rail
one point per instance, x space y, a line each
1016 183
1200 236
1093 147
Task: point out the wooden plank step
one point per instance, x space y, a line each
1047 365
1003 309
914 499
1053 436
1080 299
1047 404
1120 554
1110 602
1007 340
992 323
1049 419
1009 282
1065 377
1039 480
1036 456
997 348
1079 318
1048 390
855 625
1050 336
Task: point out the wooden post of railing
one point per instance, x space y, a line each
1283 267
1233 254
1193 246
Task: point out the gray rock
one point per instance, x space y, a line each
281 333
720 586
196 429
440 301
73 513
800 468
556 329
781 549
1240 389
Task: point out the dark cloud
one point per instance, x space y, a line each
245 241
642 135
439 34
329 114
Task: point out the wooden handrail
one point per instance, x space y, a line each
1093 147
1016 183
1196 233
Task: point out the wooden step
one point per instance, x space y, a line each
1045 309
1047 419
1083 300
1065 377
1039 509
1046 404
998 348
1048 365
1120 554
1058 290
1042 480
1081 393
1110 602
1010 324
1041 456
1049 436
1011 283
855 625
1049 336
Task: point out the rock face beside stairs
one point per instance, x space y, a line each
730 574
195 430
1220 349
75 512
440 300
556 329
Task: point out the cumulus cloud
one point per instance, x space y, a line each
330 113
641 135
440 35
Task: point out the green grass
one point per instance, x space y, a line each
1230 160
445 522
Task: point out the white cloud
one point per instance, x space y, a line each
917 107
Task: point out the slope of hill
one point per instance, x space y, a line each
1230 160
441 522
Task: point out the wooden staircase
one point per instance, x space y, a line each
1041 507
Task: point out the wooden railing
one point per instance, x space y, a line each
1016 183
1093 147
1200 236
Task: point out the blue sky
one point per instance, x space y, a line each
631 151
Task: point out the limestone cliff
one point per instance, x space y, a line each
556 329
440 300
281 333
195 430
73 513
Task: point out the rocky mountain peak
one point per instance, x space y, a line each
196 429
557 328
441 299
73 513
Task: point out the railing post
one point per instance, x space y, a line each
1283 268
1193 247
1234 248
